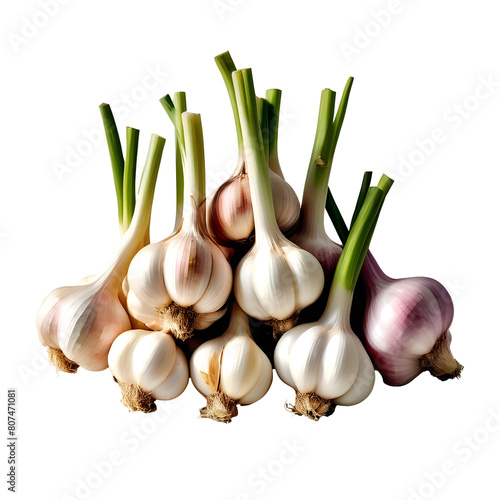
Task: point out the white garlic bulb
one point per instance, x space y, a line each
148 366
326 364
230 370
324 361
276 279
182 283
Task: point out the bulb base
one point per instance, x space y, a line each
180 321
136 399
440 361
312 406
219 407
60 361
281 326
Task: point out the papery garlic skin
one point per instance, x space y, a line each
406 326
326 364
148 366
230 370
276 280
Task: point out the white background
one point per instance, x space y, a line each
412 76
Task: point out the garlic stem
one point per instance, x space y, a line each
257 166
226 66
116 154
351 260
335 216
194 173
263 113
174 109
273 97
316 184
365 185
129 175
316 191
180 107
339 117
133 239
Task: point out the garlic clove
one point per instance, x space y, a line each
304 265
306 359
273 283
143 311
283 350
246 295
120 354
365 380
176 381
239 367
153 359
219 286
205 320
200 363
145 277
339 367
286 204
262 383
187 268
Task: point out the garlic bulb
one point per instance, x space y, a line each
276 279
229 215
406 326
182 283
230 370
147 366
79 323
325 361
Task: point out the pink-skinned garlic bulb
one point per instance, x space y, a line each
182 283
79 323
406 326
229 212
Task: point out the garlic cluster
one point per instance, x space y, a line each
182 283
230 370
79 323
147 366
406 326
325 363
